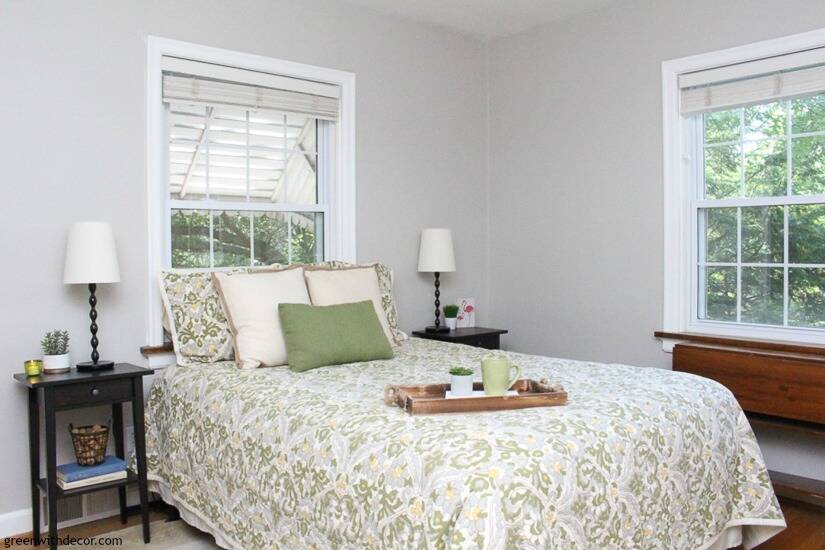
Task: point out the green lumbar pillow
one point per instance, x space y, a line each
317 336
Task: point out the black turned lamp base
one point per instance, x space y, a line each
95 364
90 366
432 328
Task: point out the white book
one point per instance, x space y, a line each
114 476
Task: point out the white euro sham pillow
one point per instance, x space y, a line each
251 304
344 286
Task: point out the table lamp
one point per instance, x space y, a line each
91 259
435 255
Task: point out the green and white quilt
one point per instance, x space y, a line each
639 458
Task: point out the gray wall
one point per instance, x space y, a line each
72 148
576 211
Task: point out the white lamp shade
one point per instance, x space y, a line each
436 251
90 254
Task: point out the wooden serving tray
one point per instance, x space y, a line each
430 398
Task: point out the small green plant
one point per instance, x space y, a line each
55 342
451 311
461 371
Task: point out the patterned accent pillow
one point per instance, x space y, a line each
197 322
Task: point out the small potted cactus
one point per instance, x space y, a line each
55 346
450 314
461 382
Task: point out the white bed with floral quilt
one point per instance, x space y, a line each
639 458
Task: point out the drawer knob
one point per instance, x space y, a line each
95 392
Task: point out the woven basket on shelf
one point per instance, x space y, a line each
90 443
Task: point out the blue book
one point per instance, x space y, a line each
75 472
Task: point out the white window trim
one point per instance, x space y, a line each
679 224
341 196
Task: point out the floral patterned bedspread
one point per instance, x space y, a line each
639 458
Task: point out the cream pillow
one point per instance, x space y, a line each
344 286
251 303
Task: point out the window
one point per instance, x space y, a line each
251 161
745 191
247 152
761 215
244 187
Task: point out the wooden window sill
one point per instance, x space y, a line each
770 345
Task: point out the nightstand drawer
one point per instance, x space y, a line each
89 393
487 342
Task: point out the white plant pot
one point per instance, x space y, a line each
450 321
53 364
461 385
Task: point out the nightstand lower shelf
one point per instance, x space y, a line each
131 477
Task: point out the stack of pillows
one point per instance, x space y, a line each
306 316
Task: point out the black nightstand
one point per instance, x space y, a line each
73 390
480 337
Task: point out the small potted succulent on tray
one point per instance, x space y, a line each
461 382
55 346
450 314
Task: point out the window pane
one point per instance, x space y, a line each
766 120
809 165
226 183
806 289
720 293
230 232
307 237
766 172
720 234
722 126
762 295
239 155
190 238
308 137
266 177
763 234
186 130
808 114
271 234
722 171
302 181
806 234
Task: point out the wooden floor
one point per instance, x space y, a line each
96 528
806 528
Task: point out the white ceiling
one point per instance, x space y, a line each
485 18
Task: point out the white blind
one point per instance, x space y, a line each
190 81
759 81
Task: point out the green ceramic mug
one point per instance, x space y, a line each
495 374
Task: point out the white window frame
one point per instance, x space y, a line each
680 136
339 220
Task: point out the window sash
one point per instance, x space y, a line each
695 147
323 155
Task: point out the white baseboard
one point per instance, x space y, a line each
16 522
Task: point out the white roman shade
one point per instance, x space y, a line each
759 81
190 81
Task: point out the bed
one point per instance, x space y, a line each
639 458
